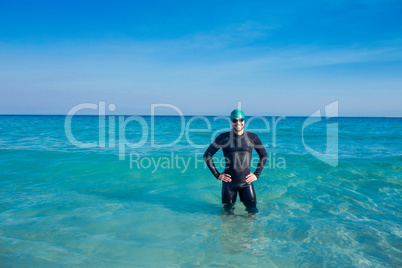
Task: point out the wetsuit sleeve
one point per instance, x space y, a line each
262 153
212 149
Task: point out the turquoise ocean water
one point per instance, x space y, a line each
61 205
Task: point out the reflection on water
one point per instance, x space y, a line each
237 233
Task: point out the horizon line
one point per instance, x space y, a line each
348 116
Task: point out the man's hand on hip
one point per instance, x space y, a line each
224 177
251 177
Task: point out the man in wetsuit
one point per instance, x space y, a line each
237 146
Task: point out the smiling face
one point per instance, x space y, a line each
238 124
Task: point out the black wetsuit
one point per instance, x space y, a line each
237 150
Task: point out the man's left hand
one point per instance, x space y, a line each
251 177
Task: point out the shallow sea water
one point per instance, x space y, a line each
68 206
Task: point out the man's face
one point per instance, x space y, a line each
238 124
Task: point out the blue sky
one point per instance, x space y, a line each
275 57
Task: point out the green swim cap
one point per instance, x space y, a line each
236 113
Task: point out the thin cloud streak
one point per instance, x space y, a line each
123 60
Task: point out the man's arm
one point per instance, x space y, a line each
262 153
212 149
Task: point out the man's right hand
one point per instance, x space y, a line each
224 177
